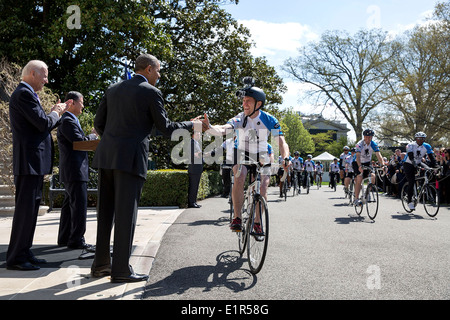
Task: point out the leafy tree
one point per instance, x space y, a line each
420 84
204 52
345 71
297 137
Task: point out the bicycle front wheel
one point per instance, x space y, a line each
318 182
258 236
242 235
351 193
404 197
372 201
430 199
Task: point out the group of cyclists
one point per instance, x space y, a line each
301 170
352 163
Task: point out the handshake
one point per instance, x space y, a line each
203 121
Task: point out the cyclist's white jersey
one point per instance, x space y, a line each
319 168
334 167
254 137
297 163
418 151
366 150
342 158
348 162
309 165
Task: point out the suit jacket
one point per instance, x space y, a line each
32 142
125 119
73 164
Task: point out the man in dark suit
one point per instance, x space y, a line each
74 173
32 159
195 169
124 120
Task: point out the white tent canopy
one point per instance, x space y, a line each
324 157
327 158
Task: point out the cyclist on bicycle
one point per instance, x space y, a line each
348 168
297 165
319 171
252 128
415 152
334 172
308 166
281 171
342 162
364 149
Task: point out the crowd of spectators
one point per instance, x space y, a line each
394 179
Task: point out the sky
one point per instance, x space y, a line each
280 27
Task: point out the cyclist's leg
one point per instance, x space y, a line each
265 180
409 173
238 190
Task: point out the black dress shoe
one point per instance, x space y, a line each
35 260
26 266
194 205
134 277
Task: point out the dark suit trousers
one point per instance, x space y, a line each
27 201
194 181
72 224
118 199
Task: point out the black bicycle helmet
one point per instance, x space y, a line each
250 90
368 132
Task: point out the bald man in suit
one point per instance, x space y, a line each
125 119
32 159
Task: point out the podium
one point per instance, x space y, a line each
89 145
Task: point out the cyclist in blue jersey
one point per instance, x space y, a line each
318 170
364 149
297 166
415 153
308 167
348 168
252 128
334 172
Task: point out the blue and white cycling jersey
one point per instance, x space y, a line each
348 162
418 151
309 165
297 163
334 167
254 137
366 150
319 168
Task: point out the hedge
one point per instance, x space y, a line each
166 188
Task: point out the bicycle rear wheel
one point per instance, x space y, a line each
257 241
294 186
430 199
372 201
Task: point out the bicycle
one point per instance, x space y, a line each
307 178
318 183
425 193
333 180
254 239
230 199
286 183
368 196
296 185
350 192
